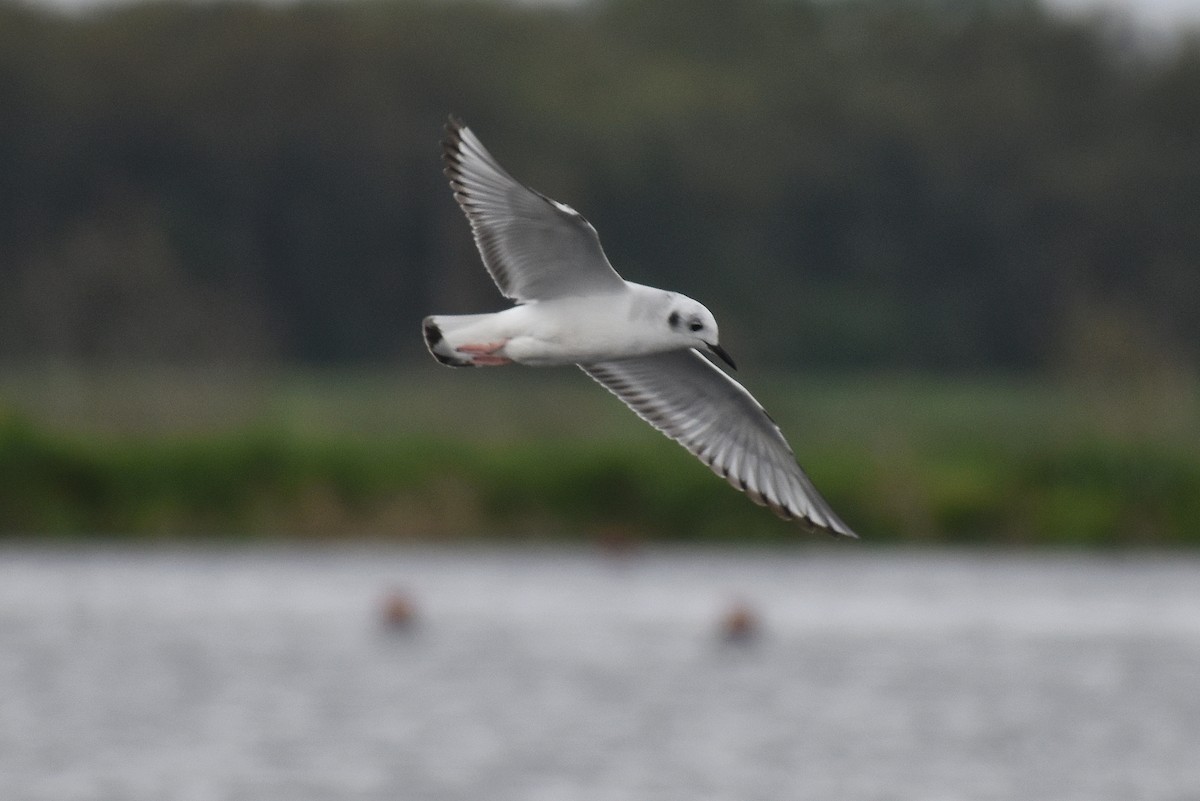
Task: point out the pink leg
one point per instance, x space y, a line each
485 355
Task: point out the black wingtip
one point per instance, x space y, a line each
452 144
433 338
453 140
838 531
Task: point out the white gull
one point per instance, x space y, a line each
639 342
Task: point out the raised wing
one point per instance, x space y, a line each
690 400
535 248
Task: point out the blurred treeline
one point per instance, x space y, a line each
353 453
932 185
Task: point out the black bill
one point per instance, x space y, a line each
725 357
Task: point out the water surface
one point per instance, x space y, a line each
268 675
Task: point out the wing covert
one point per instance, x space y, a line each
534 248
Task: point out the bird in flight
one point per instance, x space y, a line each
640 343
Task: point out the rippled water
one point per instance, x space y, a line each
558 675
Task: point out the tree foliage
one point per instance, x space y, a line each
918 184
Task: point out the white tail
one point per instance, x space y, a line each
443 335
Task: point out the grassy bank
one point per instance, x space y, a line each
415 456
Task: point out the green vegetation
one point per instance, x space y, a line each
360 454
949 188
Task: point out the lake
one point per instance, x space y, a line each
271 674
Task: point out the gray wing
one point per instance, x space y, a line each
535 248
690 400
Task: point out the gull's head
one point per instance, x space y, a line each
691 322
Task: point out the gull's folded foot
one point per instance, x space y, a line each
485 355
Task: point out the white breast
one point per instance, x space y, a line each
584 330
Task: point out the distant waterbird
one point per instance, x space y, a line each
740 624
642 344
398 611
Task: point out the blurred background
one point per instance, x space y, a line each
954 246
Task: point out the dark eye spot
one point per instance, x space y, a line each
673 320
695 325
